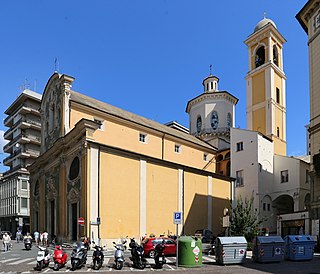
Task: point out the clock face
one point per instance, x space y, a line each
214 120
199 124
229 120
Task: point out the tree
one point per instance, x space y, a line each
244 219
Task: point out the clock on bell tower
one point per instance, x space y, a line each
266 84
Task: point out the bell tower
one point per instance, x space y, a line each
266 84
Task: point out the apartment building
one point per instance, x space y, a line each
24 136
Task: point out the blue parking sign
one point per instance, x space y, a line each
177 218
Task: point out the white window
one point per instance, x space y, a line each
284 176
239 146
24 185
177 148
239 178
24 203
143 138
205 157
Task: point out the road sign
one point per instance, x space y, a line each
81 221
177 218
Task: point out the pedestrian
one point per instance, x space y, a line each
36 237
18 235
41 238
45 238
6 241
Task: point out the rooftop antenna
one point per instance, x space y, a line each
25 85
56 65
210 69
35 85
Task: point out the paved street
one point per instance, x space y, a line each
18 260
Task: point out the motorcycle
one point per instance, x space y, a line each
137 255
59 258
119 254
27 243
78 256
159 257
43 258
97 257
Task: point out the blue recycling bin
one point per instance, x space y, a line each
299 247
268 249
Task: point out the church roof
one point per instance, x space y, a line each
134 118
263 23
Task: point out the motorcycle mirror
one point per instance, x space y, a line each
114 243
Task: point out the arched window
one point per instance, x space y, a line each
275 55
227 156
214 120
260 57
36 189
229 120
74 168
219 158
228 168
199 124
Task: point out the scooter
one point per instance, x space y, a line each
119 254
78 256
137 255
97 257
159 257
43 258
27 243
59 258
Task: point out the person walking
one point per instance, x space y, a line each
18 235
36 237
41 238
45 238
6 241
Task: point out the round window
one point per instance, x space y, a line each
74 169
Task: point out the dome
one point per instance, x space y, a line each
263 23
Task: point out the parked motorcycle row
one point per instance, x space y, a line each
79 256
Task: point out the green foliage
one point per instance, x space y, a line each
244 219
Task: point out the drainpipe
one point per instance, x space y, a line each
98 218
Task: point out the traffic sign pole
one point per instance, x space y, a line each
177 218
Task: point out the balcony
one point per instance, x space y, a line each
8 122
29 123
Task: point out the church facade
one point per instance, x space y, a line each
120 173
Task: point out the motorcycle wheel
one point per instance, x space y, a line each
73 266
95 265
119 265
141 265
56 266
40 265
152 253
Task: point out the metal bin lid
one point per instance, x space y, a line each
232 240
269 239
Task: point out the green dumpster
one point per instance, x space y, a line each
189 251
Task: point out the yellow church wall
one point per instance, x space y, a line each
258 88
278 84
220 200
112 135
188 156
162 195
259 120
195 202
119 200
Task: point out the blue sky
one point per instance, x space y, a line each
149 57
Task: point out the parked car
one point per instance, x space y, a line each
150 243
206 236
3 232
